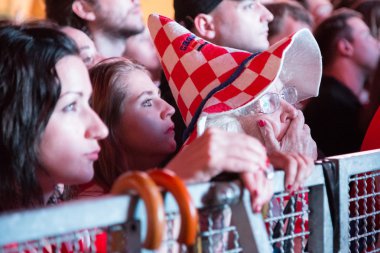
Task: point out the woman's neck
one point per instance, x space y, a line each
142 162
46 183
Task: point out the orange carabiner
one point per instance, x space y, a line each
189 214
146 188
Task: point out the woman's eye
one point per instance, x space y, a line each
147 103
71 107
87 60
249 6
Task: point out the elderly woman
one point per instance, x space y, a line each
241 92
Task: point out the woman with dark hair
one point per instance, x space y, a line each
49 133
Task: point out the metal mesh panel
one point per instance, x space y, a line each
364 212
99 225
356 201
217 234
110 239
226 224
287 221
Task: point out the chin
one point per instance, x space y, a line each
172 147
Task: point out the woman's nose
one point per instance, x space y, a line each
266 15
96 128
288 111
167 110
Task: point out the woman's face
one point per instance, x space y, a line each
279 120
69 144
145 127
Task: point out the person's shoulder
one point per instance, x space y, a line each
334 94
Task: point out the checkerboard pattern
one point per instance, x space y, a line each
193 67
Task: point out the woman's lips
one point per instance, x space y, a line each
94 155
170 130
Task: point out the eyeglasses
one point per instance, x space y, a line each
270 102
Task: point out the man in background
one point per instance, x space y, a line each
108 23
350 55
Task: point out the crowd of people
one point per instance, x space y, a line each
235 88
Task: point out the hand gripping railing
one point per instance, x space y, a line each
226 221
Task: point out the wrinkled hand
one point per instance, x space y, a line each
217 151
297 168
295 154
297 138
260 188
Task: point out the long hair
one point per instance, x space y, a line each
29 90
109 93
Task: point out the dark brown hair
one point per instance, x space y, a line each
109 93
29 91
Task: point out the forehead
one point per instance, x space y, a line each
73 74
138 82
226 4
357 24
80 38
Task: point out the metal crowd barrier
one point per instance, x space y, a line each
356 201
298 222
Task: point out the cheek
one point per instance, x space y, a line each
138 127
62 157
249 125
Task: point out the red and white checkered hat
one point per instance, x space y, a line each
206 78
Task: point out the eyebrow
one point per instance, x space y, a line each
71 92
149 93
84 47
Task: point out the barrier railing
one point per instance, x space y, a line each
357 201
297 222
73 226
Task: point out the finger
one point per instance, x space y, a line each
235 141
302 172
264 191
297 123
268 136
251 185
307 169
240 150
306 128
288 164
215 151
259 194
239 164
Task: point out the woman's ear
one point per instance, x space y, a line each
345 47
84 10
204 24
